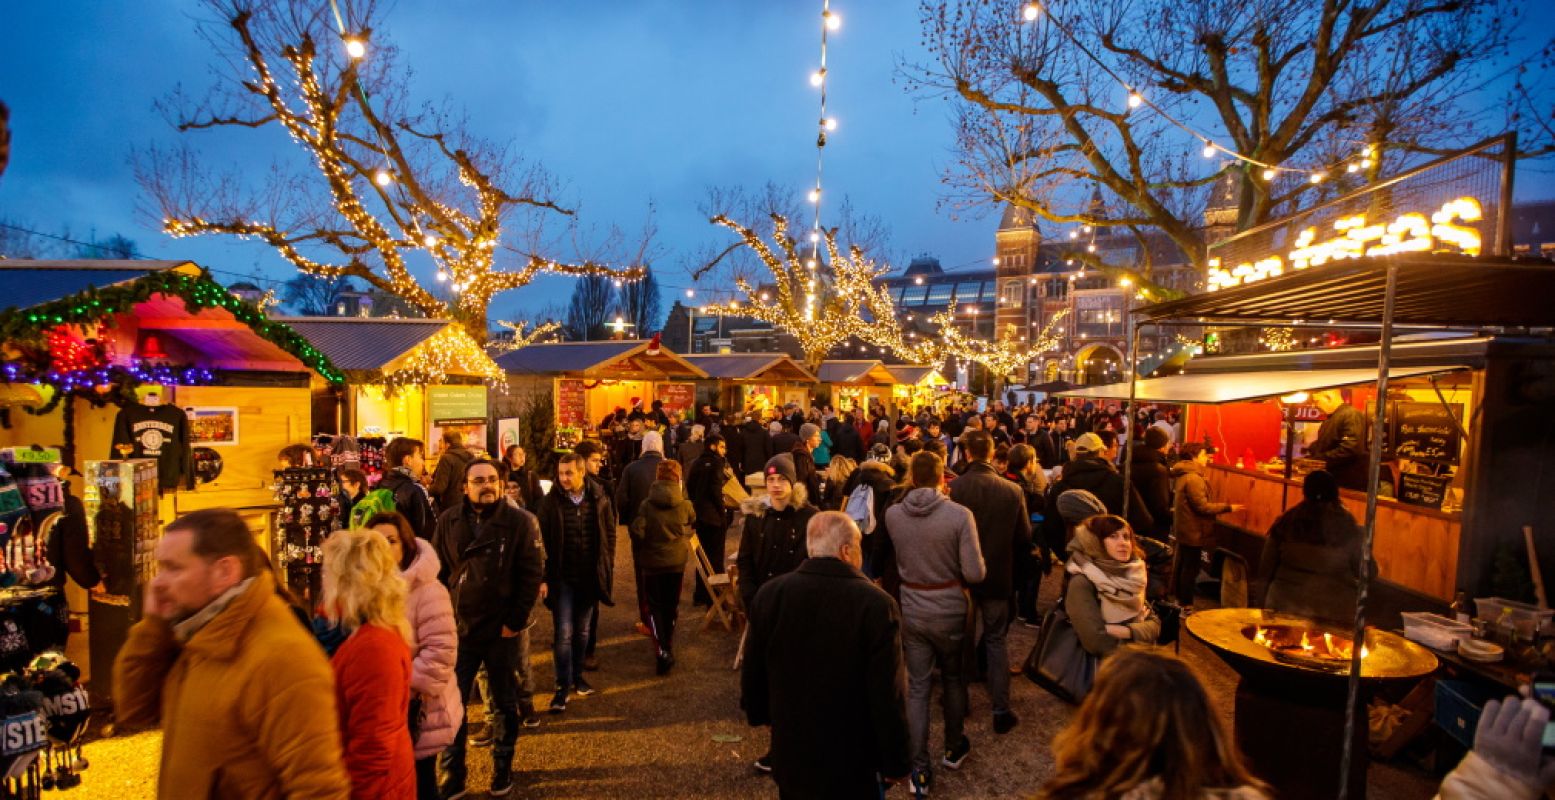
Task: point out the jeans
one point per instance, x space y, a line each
996 624
499 657
525 688
712 539
662 590
572 612
927 643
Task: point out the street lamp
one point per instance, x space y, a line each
691 315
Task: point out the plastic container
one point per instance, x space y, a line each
1434 630
1526 619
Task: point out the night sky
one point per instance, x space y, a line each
625 103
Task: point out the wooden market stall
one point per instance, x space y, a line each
919 386
405 377
754 382
855 384
586 381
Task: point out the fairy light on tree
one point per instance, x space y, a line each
384 189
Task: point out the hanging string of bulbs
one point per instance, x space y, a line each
829 22
1036 10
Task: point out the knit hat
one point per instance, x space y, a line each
1076 505
1089 443
653 442
781 465
1155 438
879 452
809 429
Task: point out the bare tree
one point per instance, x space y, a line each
589 307
311 296
639 303
382 189
1045 116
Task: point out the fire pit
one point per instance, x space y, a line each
1290 702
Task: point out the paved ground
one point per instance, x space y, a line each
682 735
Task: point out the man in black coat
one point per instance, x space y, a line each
755 447
704 488
404 462
845 440
492 562
783 440
1341 440
772 541
1153 480
1004 531
823 666
447 486
1092 472
578 524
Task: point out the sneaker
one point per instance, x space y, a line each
451 790
482 738
531 719
583 688
1005 722
664 663
764 764
591 663
501 780
643 630
559 701
956 756
920 782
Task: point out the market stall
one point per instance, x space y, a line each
856 384
586 381
754 382
919 386
405 377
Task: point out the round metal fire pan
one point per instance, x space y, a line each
1389 656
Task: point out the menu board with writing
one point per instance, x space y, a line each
1422 490
570 408
677 397
1427 431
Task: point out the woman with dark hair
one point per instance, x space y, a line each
436 710
520 478
1311 563
1147 731
806 472
1107 578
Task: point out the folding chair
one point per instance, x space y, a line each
720 587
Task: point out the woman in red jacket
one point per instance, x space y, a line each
365 595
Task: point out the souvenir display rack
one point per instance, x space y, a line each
310 510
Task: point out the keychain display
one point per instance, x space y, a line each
309 512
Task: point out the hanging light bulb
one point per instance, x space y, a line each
1031 12
1269 174
691 293
815 195
431 241
1135 100
833 22
830 123
996 261
818 77
355 48
1209 149
382 177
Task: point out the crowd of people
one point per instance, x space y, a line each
875 553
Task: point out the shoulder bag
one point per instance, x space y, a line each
1058 663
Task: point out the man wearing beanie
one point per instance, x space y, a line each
636 479
815 441
1091 471
1153 480
773 541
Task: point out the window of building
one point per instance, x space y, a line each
1093 322
969 291
1013 295
896 294
913 295
939 294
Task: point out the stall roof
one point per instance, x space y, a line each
365 343
32 283
751 366
594 358
1215 388
916 374
855 372
1433 290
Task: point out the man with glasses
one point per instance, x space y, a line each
493 562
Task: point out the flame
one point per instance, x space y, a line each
1306 645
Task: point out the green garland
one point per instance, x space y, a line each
197 291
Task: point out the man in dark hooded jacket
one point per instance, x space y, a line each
1153 480
1093 473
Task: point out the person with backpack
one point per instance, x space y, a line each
937 556
867 494
404 462
448 478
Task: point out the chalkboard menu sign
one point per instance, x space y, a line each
1422 490
676 397
1427 431
570 408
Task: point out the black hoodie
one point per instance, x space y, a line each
1103 480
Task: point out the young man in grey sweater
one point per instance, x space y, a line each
937 554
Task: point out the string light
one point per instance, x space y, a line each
1269 174
1209 150
356 48
1135 100
382 177
1031 12
818 77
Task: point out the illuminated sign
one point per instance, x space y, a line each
1442 232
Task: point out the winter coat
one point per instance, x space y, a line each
935 541
632 489
1311 562
1153 480
784 442
662 530
434 649
528 487
1083 605
879 478
755 448
822 452
847 442
605 527
823 666
1003 527
372 693
246 705
1193 513
687 454
447 487
1341 443
772 543
704 488
491 566
1101 479
411 500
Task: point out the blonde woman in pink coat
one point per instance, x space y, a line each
434 643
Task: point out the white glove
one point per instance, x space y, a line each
1511 737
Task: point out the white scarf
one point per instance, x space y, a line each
1121 590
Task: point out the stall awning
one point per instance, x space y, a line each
751 367
1232 387
916 375
619 359
857 373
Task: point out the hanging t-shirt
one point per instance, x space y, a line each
159 432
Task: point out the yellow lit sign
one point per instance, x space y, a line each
1414 232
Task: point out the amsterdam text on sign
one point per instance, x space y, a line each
1442 232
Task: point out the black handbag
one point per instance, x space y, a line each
1058 663
1170 614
